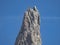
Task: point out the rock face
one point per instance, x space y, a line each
30 30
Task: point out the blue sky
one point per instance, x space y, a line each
11 16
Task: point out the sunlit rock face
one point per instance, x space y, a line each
30 30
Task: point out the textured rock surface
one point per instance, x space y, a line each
30 30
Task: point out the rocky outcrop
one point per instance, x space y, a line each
30 30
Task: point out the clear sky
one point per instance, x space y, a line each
11 16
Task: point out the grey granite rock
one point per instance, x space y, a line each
30 30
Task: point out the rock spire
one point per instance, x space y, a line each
30 30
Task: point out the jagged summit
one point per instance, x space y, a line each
30 30
33 9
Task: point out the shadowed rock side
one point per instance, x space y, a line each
30 30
